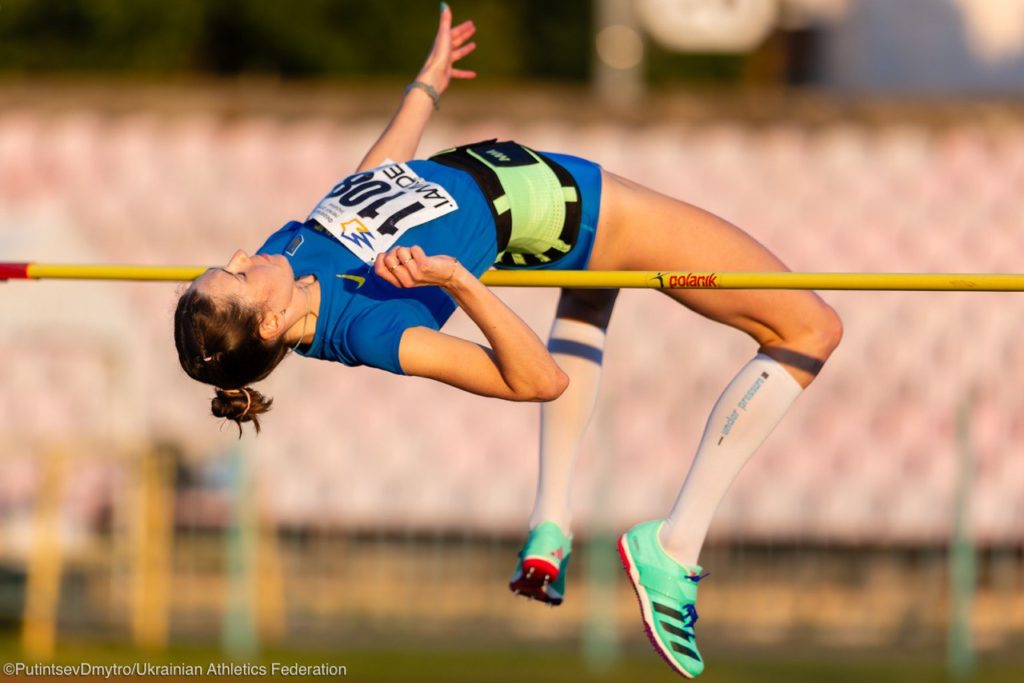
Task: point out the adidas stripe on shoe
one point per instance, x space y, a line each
667 592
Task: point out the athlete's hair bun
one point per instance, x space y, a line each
240 405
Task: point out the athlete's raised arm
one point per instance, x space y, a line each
517 367
400 139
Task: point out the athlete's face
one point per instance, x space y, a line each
265 281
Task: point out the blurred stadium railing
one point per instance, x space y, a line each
365 487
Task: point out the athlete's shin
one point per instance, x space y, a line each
578 348
745 414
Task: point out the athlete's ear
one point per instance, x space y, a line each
271 325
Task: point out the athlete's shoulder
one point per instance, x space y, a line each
279 240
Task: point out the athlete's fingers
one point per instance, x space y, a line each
395 260
460 39
403 255
443 40
391 258
424 263
461 52
378 266
412 267
462 73
444 30
405 259
417 265
463 29
392 262
383 271
418 253
444 20
463 32
403 276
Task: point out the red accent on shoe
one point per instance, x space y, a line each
543 570
533 585
647 627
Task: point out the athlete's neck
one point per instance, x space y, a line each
303 330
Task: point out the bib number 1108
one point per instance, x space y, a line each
368 212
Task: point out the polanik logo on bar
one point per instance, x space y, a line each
687 280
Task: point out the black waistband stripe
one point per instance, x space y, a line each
508 153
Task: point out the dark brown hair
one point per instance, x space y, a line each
219 343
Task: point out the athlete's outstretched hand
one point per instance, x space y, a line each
411 267
450 45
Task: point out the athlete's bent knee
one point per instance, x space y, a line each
808 349
829 330
817 333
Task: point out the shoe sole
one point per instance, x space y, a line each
643 599
538 574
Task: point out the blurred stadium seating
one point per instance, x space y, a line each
868 454
867 458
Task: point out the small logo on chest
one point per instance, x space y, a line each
358 279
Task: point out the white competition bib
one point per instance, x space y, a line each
369 211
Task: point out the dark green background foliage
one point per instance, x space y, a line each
519 39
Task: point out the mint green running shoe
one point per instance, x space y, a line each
667 592
543 564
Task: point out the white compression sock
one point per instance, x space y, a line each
578 348
745 414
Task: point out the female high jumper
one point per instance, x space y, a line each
383 260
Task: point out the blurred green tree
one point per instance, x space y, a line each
523 39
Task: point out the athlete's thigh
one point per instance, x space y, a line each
640 229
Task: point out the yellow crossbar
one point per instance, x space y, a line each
617 279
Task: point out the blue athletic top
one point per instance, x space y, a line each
362 317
